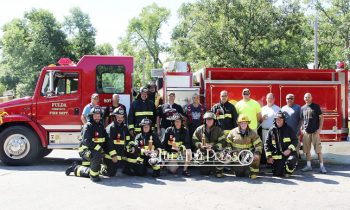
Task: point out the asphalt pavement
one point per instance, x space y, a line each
44 185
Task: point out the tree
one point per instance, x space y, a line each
81 34
104 49
334 32
244 33
28 44
143 39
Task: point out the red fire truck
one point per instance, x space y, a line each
329 89
31 127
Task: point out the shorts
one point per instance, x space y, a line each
313 138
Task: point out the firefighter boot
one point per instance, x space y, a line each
95 178
71 168
219 172
156 173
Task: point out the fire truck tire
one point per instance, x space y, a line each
19 145
44 152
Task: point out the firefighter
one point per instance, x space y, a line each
177 141
94 144
139 109
209 138
118 133
280 147
154 96
226 114
242 137
144 151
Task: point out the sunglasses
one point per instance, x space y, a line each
290 98
246 94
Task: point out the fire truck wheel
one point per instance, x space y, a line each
19 145
44 152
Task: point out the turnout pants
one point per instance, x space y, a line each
252 169
284 164
95 160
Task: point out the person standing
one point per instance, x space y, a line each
292 113
268 113
194 112
250 108
225 112
85 114
165 112
140 108
110 109
312 119
154 96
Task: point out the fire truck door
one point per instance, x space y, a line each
59 103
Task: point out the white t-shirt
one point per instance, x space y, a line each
271 113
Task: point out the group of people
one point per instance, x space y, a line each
113 139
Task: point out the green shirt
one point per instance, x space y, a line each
250 108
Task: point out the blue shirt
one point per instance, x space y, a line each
292 116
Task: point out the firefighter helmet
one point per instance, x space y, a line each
176 116
118 111
152 83
143 89
145 121
243 118
95 110
280 114
209 115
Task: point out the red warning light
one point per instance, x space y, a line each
65 62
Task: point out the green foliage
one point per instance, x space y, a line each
81 34
143 40
245 33
28 44
334 32
104 49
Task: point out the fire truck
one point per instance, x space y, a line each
31 127
329 88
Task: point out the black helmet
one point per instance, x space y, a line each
143 89
118 111
280 114
176 116
152 83
95 110
145 121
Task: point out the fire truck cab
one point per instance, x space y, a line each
31 127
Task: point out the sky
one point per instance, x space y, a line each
109 17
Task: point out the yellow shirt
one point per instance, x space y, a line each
250 108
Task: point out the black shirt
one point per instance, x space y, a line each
166 110
311 117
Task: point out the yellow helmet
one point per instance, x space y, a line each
243 118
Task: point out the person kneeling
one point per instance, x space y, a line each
145 150
280 147
177 141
